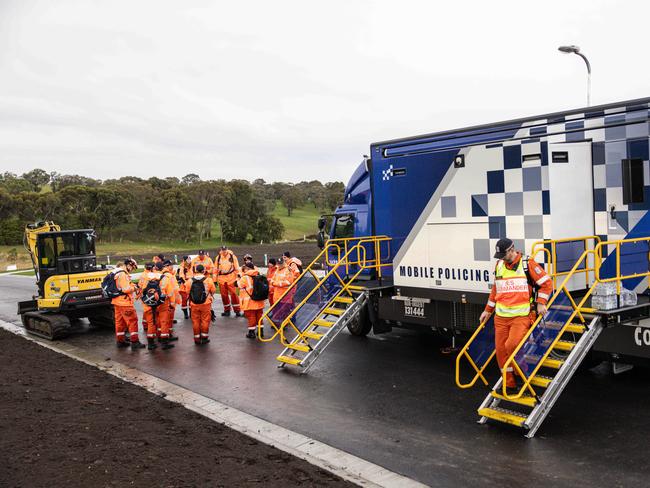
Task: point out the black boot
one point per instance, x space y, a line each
237 314
186 314
250 334
151 344
122 344
225 314
166 344
204 340
172 338
137 345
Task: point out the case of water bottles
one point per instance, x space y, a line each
605 297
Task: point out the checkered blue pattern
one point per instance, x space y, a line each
516 196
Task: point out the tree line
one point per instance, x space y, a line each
188 209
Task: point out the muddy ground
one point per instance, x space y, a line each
64 423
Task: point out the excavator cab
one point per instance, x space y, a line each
64 252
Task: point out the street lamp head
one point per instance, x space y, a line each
569 49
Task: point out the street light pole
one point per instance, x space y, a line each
576 50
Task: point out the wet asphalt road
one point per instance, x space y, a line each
392 400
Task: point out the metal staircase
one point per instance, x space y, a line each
530 409
305 348
315 309
553 348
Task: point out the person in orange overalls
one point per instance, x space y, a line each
512 299
183 275
126 317
164 311
252 308
269 276
201 312
148 315
226 271
205 260
294 264
282 280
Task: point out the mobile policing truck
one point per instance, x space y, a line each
445 199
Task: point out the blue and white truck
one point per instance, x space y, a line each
445 199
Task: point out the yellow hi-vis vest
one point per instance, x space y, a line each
513 297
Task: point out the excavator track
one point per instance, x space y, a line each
47 325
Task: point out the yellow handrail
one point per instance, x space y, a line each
577 308
463 354
333 245
552 254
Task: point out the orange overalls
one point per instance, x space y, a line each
184 274
201 312
269 276
206 261
282 280
148 319
125 314
511 298
226 271
164 311
252 308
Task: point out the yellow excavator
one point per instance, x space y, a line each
68 279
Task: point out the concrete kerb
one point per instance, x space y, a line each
340 463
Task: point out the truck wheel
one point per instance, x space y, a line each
361 325
101 317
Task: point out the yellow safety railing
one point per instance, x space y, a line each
552 255
463 354
596 253
355 255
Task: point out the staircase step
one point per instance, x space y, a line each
575 328
527 400
312 335
333 311
552 363
564 345
540 380
503 415
289 360
322 323
299 347
344 299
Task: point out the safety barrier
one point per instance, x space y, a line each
346 260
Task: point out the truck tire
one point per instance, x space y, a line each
361 325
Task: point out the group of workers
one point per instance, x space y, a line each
192 286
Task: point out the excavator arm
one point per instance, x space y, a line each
30 236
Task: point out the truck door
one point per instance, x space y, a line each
571 202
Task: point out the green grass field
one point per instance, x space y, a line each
303 222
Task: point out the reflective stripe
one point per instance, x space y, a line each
197 335
121 333
204 335
543 279
508 370
252 328
491 304
542 295
164 335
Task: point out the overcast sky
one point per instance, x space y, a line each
289 90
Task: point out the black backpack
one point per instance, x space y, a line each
109 285
198 295
260 288
152 295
